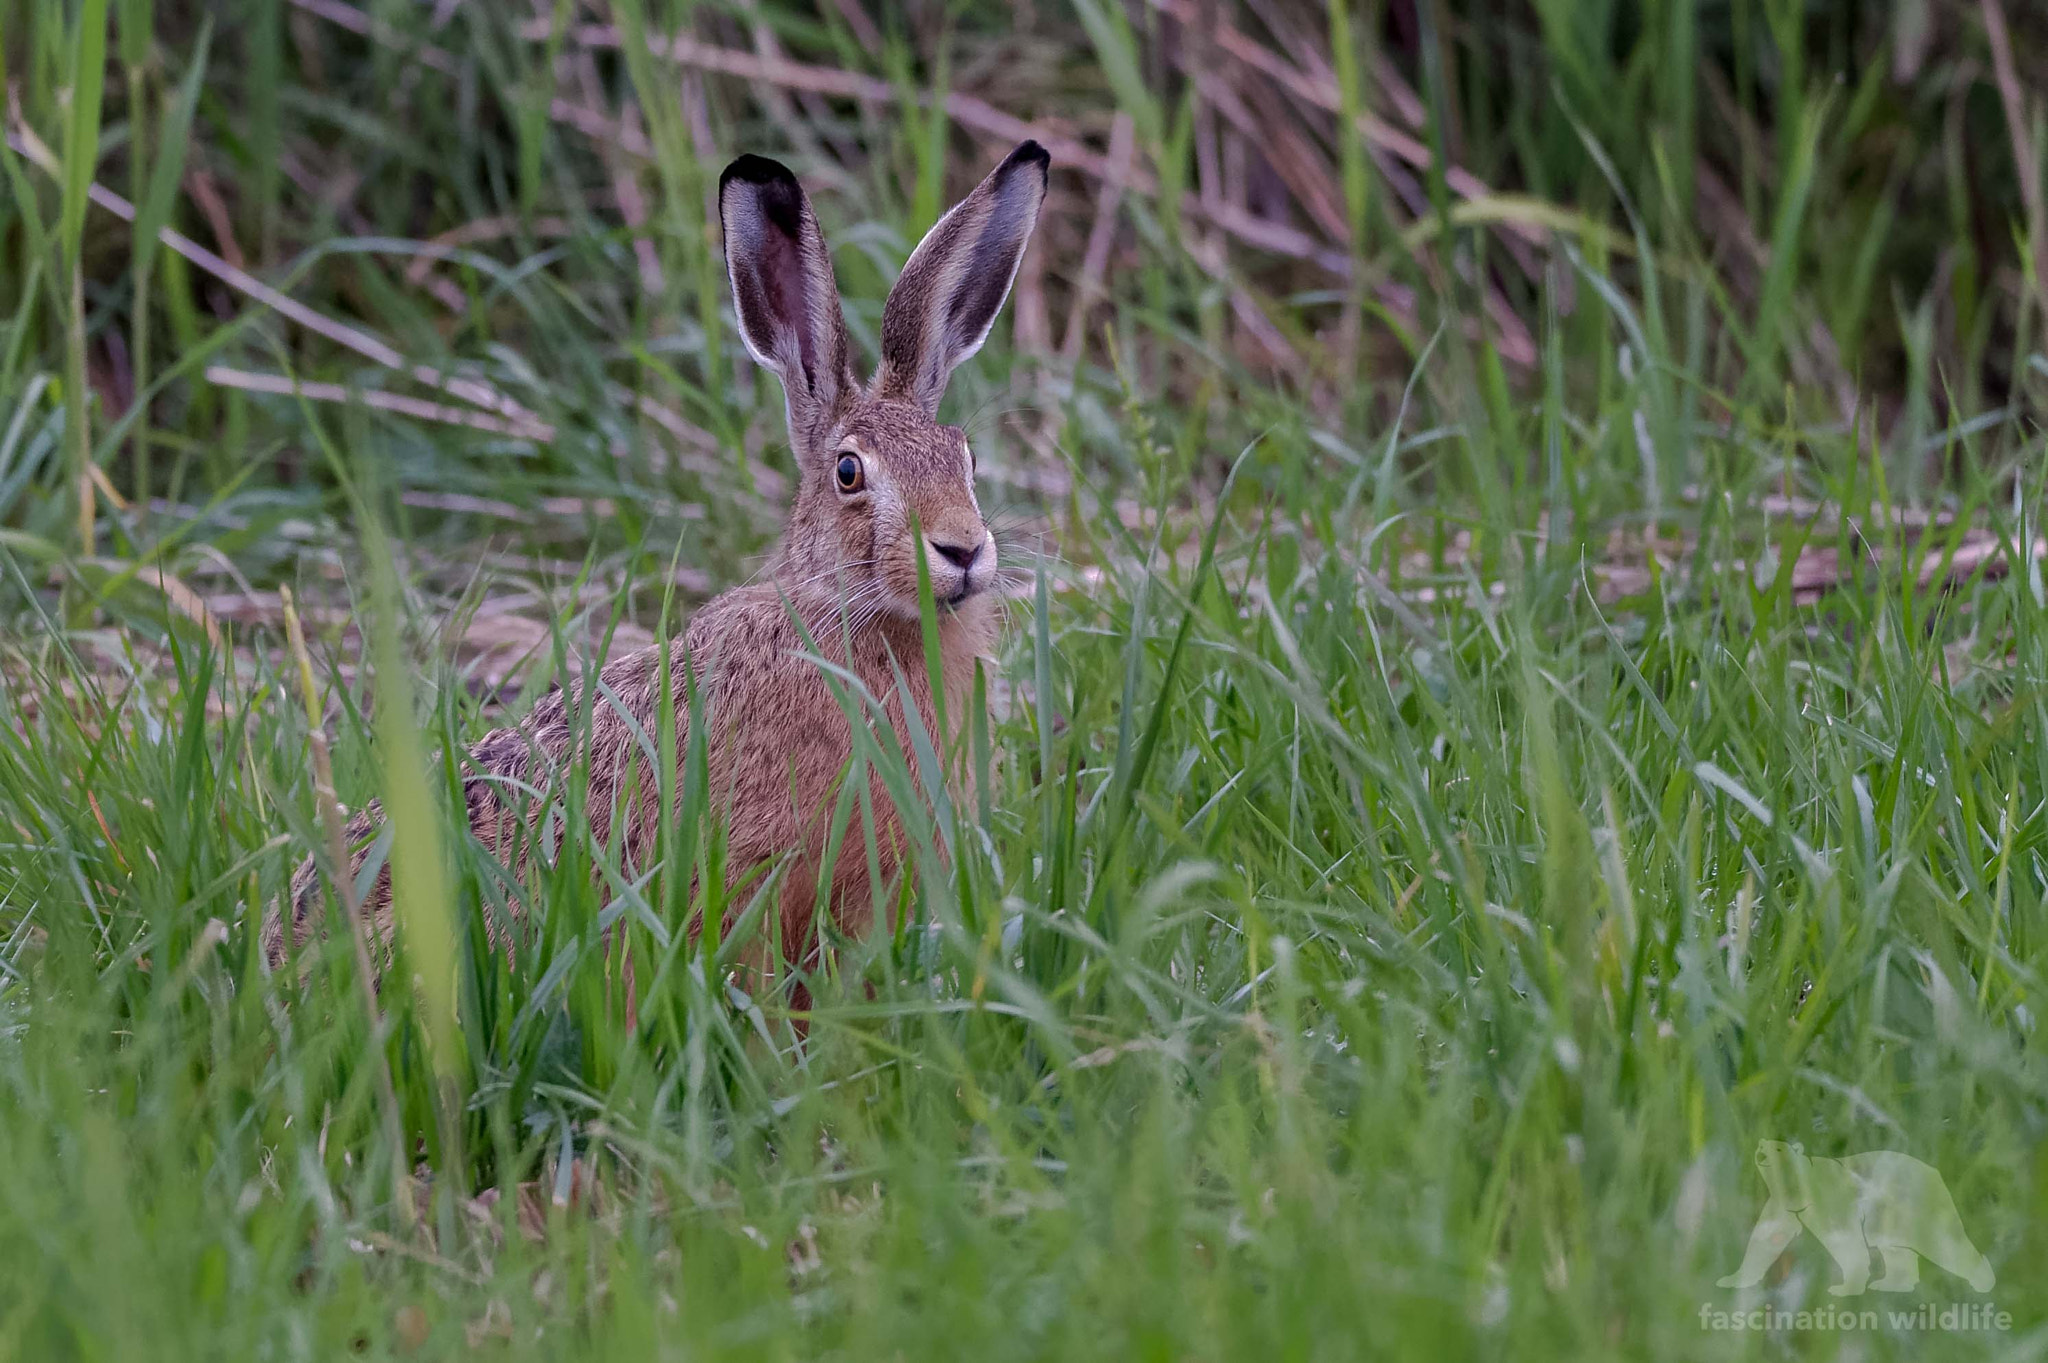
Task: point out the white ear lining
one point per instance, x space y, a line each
955 283
784 295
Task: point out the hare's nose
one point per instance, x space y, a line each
959 555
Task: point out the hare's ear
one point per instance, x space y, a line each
783 290
955 282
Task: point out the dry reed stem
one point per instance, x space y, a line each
369 346
440 412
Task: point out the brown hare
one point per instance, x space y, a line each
872 463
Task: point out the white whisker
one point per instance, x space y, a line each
847 566
853 610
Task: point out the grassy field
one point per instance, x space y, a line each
1530 678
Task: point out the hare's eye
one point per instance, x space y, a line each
849 473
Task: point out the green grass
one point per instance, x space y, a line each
1445 810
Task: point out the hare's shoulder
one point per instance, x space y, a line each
758 609
627 688
750 631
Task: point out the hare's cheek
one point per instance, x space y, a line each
860 538
903 574
879 531
899 561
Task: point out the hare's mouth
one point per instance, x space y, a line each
972 584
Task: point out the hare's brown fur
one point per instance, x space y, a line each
779 742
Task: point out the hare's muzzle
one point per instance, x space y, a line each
960 564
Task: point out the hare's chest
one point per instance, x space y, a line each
900 684
782 741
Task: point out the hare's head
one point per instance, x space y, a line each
877 472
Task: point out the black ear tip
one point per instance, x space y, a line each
1028 152
756 170
776 192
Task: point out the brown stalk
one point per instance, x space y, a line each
1101 237
419 408
2024 153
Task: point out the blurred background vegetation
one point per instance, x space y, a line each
1718 216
